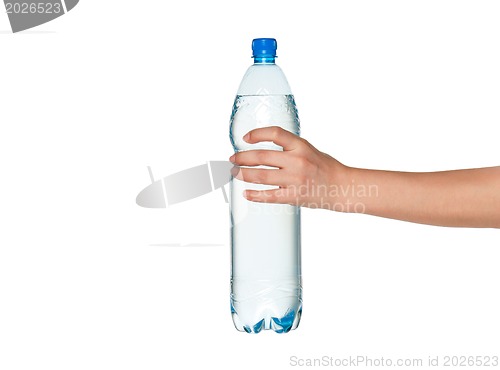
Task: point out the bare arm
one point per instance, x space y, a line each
310 178
466 198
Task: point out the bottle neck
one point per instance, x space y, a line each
264 60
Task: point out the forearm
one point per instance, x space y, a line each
462 198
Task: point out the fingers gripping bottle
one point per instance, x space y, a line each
266 291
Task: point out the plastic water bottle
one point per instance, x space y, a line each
266 290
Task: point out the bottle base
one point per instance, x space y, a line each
280 325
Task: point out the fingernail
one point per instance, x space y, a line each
231 159
246 137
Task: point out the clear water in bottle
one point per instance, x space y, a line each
266 290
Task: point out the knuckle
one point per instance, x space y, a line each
281 195
261 176
275 132
302 147
262 156
305 143
270 196
301 162
301 178
243 175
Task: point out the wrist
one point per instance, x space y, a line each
338 181
349 190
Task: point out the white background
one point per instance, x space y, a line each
89 100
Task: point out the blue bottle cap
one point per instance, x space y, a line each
264 48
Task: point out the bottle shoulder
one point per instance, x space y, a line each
264 79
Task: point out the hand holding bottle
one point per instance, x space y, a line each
310 178
301 171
